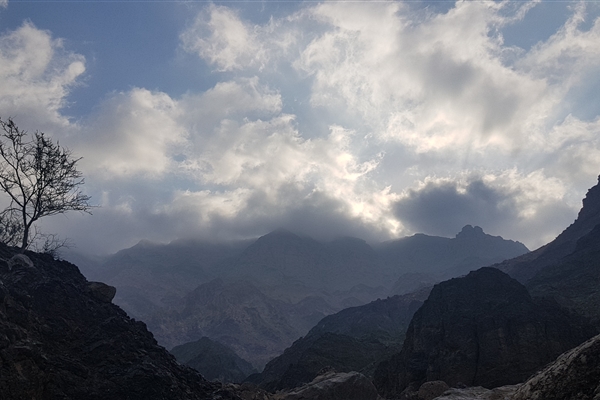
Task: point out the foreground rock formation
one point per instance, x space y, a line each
334 386
62 338
574 375
480 330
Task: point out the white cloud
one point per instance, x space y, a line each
134 133
333 117
219 36
36 74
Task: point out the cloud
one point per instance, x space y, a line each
518 206
133 134
224 40
36 74
369 119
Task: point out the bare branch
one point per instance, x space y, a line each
41 179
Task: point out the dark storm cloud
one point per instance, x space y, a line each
443 209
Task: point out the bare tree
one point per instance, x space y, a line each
41 179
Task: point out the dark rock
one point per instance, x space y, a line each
574 375
335 386
213 360
432 389
19 260
102 291
482 330
574 282
59 341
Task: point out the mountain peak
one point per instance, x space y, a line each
469 231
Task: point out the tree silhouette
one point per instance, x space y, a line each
41 179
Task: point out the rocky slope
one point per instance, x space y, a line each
480 330
523 268
213 360
62 338
574 375
354 339
574 282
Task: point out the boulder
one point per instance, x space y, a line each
431 390
335 386
102 291
19 260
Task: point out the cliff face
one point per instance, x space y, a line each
62 338
480 330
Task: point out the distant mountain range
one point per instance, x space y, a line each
279 285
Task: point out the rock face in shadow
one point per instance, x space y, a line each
60 340
574 282
213 360
574 375
480 330
354 339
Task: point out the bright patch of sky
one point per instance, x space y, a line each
371 119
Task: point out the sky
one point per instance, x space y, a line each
374 119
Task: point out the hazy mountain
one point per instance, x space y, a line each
284 258
279 286
354 339
237 314
442 258
151 276
213 360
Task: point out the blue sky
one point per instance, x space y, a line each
373 119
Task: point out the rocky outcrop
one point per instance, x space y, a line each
480 330
102 291
354 339
574 375
335 386
58 340
432 389
213 360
